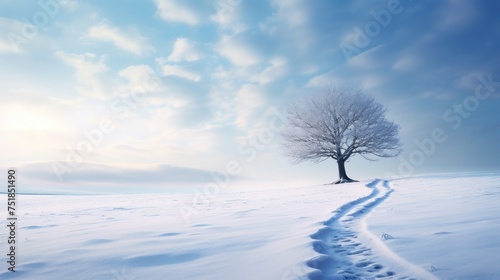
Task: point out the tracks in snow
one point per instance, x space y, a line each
346 248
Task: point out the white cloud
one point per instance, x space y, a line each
372 81
230 78
88 70
171 10
292 12
186 50
13 38
9 28
404 64
178 71
277 69
437 93
290 15
367 59
248 100
238 109
221 102
228 15
172 101
457 14
127 41
173 142
6 47
321 80
141 78
469 81
290 23
339 78
352 37
70 4
239 52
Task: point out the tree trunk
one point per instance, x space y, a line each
343 178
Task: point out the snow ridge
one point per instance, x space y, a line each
349 251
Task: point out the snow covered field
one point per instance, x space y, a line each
433 227
447 224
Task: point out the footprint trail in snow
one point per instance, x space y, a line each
349 251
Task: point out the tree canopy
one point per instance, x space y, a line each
338 123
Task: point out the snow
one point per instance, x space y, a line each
448 224
429 227
245 235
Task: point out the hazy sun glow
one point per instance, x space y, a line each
23 118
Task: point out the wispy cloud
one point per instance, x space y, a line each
70 4
239 51
128 40
293 13
368 59
405 63
88 71
228 15
10 28
177 71
457 13
290 23
185 50
172 10
248 100
18 35
277 69
372 81
141 78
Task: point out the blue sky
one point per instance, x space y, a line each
155 95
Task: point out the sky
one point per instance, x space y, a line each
163 95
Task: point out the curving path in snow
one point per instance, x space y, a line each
347 250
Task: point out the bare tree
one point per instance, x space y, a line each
338 123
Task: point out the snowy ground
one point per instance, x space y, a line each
418 228
447 224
